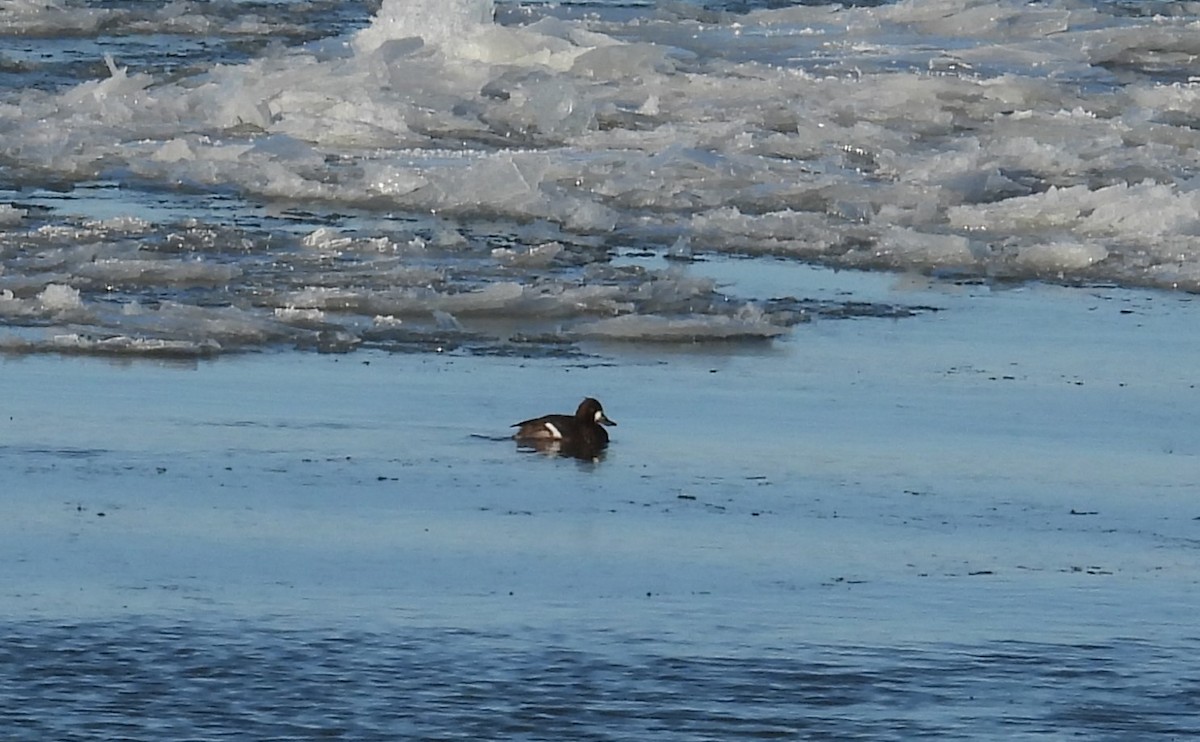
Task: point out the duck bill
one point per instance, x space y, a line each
605 421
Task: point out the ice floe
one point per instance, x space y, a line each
486 160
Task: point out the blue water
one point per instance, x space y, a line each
888 530
892 301
198 681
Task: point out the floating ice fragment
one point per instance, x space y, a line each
681 249
614 62
284 148
518 47
324 238
438 22
1182 275
796 232
1137 211
588 217
1061 256
174 150
446 321
332 341
394 49
127 224
59 298
536 256
390 180
126 345
1143 209
658 328
178 273
554 107
116 97
11 215
297 315
50 18
967 18
908 247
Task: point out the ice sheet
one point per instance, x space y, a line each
965 138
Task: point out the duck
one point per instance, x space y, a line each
582 431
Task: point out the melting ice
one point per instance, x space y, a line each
193 178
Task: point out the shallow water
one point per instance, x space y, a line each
872 530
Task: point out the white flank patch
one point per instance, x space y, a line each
555 433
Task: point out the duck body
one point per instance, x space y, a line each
584 430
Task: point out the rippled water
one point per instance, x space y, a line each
960 545
196 680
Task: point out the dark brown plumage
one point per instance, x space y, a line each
581 431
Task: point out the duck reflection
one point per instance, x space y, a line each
581 451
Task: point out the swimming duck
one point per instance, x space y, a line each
582 430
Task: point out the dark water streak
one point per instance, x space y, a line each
102 681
